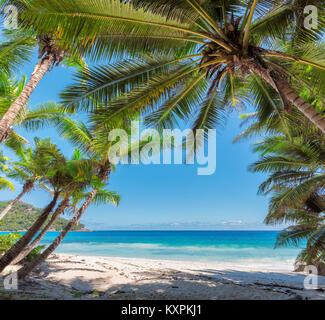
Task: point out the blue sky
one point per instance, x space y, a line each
167 196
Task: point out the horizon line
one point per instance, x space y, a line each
178 230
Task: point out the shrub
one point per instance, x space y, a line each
35 253
8 240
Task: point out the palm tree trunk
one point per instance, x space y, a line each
28 186
284 88
23 272
19 246
62 206
40 69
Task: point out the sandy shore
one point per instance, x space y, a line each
66 276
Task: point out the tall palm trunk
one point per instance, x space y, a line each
23 272
28 186
40 69
288 93
62 206
19 246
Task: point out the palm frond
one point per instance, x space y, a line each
87 26
180 105
6 184
14 51
212 113
100 85
294 235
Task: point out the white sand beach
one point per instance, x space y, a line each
66 276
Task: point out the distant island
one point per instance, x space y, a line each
23 215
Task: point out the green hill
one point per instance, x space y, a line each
23 215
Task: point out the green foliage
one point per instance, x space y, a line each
174 32
242 50
8 240
293 154
35 253
22 216
14 51
157 87
76 294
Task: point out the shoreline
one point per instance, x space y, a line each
253 264
68 276
86 230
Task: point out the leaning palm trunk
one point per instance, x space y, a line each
20 245
23 272
62 206
288 94
50 55
40 69
28 186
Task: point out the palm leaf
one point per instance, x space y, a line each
103 83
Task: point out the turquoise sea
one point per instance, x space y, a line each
235 247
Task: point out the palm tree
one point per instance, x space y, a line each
296 183
50 55
27 187
200 55
30 169
308 230
59 210
63 177
236 40
9 89
55 178
19 246
18 49
81 176
96 196
15 50
292 152
91 139
30 118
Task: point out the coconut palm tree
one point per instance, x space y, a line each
237 40
101 197
50 56
55 178
292 153
30 118
17 49
28 170
32 167
270 119
296 184
308 230
9 89
81 175
64 178
200 55
59 210
91 139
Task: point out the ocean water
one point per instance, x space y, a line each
227 247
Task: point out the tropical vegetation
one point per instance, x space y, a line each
23 215
295 164
167 62
8 240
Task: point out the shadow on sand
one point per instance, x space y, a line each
165 284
